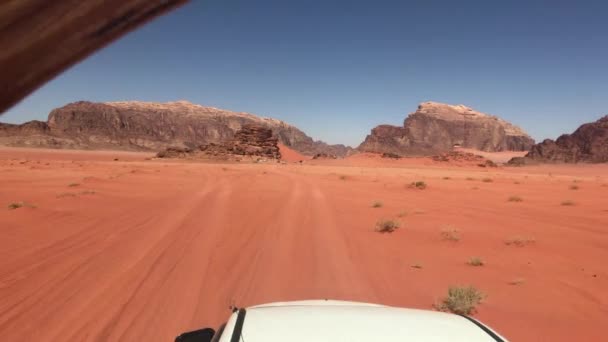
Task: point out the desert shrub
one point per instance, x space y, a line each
515 199
343 177
447 178
461 300
574 187
567 203
516 281
418 185
416 265
450 234
377 204
487 180
15 205
402 214
517 182
476 261
88 192
470 178
66 194
387 226
519 241
72 185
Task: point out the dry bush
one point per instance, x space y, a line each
568 203
377 204
515 199
476 261
470 178
517 281
450 234
387 226
418 185
519 241
72 185
461 300
416 265
15 205
66 194
574 187
447 178
402 214
343 177
487 180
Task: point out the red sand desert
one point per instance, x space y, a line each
140 250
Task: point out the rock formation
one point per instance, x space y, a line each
589 143
436 128
135 125
250 140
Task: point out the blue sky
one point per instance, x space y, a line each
335 69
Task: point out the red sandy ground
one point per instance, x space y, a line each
162 247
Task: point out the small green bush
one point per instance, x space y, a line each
461 300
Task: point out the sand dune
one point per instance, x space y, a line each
137 249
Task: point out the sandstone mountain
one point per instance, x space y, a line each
589 143
136 125
436 128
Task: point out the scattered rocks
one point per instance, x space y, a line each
324 156
391 155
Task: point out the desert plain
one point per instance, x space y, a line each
120 246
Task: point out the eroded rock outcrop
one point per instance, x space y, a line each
255 141
435 128
133 125
589 144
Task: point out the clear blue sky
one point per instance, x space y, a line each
337 68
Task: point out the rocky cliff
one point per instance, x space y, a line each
135 125
589 143
435 128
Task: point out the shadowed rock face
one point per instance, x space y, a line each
435 128
589 143
151 126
